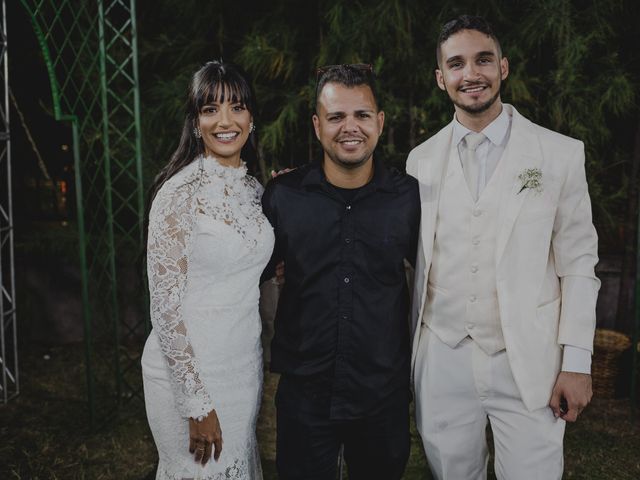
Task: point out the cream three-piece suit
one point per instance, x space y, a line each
503 281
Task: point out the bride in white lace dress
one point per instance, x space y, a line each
208 244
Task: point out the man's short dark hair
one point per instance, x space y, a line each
465 22
347 75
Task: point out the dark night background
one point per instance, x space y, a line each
574 68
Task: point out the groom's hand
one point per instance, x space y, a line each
575 389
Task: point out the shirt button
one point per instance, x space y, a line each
477 212
474 268
346 280
345 317
470 326
348 207
476 240
347 240
472 298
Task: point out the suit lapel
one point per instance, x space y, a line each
432 170
432 162
522 152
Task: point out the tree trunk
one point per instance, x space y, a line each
624 320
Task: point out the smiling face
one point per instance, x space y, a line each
348 124
471 73
225 127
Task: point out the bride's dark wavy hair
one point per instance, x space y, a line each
215 81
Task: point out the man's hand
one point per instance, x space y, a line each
280 273
575 389
279 278
275 174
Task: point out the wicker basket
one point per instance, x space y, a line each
608 345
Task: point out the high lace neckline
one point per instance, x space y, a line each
212 165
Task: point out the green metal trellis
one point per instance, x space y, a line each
9 371
90 52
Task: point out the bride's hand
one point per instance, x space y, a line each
205 435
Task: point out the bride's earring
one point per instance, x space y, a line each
252 127
197 132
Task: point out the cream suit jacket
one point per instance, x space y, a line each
546 251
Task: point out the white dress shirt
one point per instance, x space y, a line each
478 174
488 153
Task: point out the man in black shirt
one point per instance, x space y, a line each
343 228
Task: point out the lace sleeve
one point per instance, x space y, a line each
171 223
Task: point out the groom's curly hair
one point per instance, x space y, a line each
465 22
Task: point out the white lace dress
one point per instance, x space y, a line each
208 244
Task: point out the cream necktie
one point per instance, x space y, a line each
475 171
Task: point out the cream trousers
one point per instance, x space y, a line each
457 391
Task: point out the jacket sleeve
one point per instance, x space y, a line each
575 247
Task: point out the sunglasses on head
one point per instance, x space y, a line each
363 67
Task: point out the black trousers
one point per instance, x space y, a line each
376 447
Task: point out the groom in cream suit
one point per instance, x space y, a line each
505 290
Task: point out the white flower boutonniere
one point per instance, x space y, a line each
531 178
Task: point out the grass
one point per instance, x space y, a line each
44 434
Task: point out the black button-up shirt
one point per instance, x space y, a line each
343 310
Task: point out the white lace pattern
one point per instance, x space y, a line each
208 243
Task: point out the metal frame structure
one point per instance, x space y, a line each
10 386
90 51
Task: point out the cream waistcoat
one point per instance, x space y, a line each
462 280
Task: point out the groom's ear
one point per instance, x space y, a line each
440 79
504 68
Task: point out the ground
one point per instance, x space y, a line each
44 433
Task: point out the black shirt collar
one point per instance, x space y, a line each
382 178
